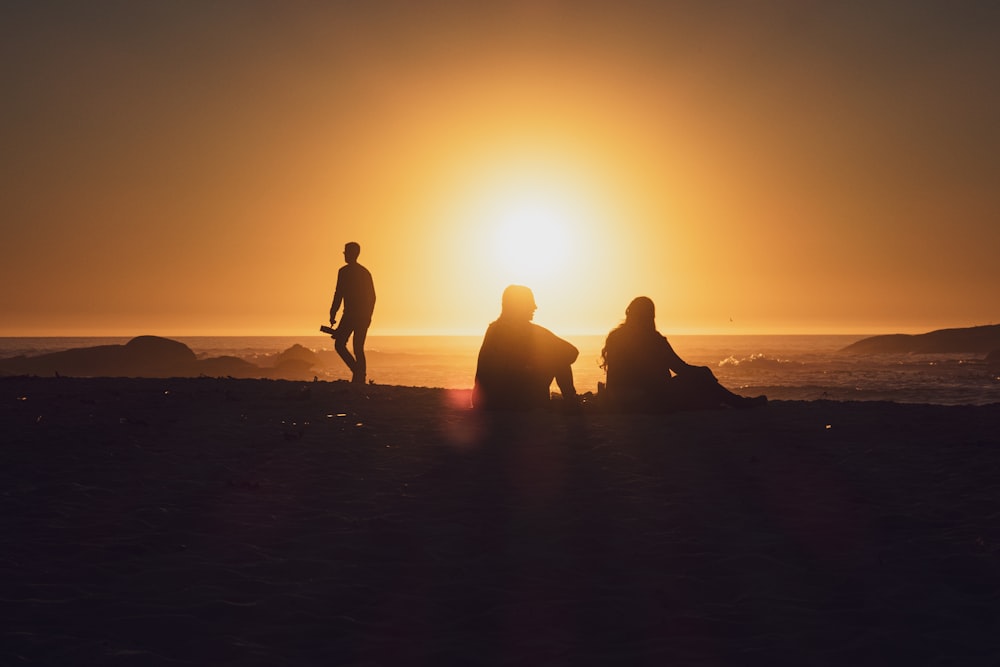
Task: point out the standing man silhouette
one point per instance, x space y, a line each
356 291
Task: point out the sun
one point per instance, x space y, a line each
532 236
532 226
549 224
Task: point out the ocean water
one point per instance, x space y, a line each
804 367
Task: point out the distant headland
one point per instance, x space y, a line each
977 340
153 356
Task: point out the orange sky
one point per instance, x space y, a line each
195 168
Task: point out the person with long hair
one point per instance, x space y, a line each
645 374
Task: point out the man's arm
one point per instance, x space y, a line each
554 349
338 298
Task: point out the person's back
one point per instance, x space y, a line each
637 362
357 290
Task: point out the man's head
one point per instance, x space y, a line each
351 252
518 302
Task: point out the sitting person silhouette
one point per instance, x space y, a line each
645 374
519 359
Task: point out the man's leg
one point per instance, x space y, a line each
360 369
340 345
564 380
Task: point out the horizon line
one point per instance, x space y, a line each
466 333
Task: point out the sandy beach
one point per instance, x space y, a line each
257 522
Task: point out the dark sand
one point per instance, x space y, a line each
254 522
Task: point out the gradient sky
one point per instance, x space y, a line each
184 168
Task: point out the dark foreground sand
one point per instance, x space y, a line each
248 522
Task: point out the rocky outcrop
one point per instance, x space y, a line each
975 340
153 356
144 356
296 353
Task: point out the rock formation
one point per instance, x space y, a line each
153 356
977 340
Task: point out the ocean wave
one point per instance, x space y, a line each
758 361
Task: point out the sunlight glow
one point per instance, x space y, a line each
532 237
544 219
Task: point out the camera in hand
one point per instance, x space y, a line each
327 330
